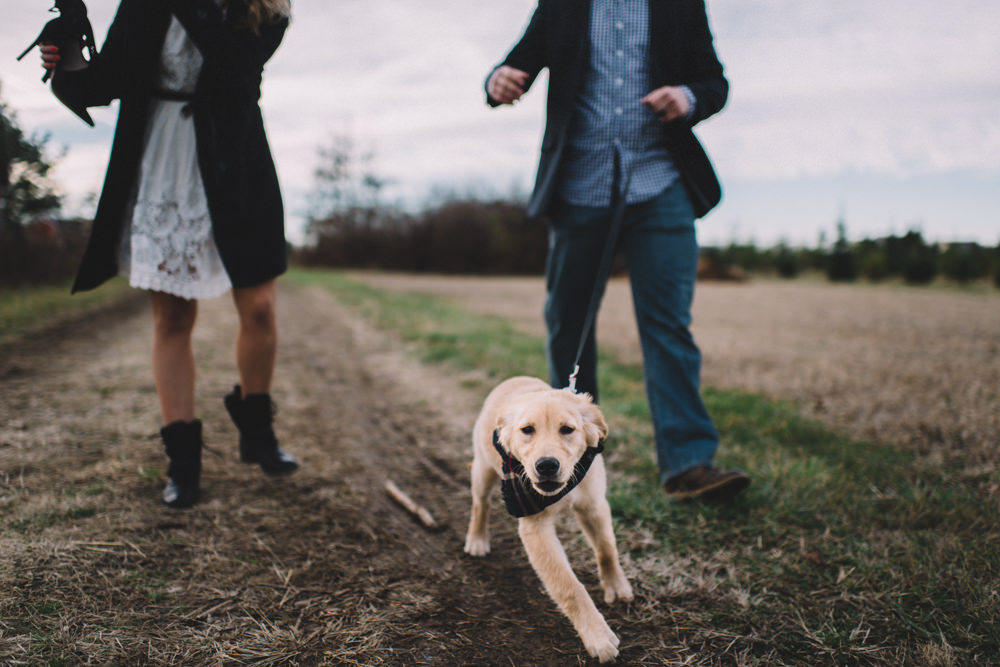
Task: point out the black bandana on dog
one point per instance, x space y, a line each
520 496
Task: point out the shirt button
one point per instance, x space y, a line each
619 25
618 82
618 111
619 53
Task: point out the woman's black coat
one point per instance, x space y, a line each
244 198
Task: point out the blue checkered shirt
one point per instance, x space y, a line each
609 118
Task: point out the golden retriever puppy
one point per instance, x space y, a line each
539 442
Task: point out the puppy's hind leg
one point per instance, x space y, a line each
538 534
484 480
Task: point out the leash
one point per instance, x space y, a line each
519 497
607 258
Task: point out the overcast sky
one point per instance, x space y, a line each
883 113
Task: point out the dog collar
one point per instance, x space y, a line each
519 496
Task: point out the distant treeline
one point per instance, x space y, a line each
470 236
908 258
41 251
474 237
457 236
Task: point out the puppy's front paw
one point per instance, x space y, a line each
619 589
601 643
477 546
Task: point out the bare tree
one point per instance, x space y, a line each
344 180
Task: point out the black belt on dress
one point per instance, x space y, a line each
175 96
172 95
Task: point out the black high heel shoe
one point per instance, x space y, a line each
72 33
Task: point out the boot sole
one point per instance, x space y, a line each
721 490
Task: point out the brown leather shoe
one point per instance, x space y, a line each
707 482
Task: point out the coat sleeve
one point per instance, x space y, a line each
529 54
704 72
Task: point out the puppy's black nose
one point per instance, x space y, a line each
547 467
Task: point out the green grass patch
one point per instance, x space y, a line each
840 552
43 520
48 608
152 583
27 308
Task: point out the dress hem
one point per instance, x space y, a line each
191 292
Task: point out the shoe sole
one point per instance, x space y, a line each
721 490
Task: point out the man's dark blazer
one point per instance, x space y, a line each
681 53
241 184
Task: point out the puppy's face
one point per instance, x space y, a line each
548 432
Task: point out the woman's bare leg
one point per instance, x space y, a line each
257 337
173 355
250 404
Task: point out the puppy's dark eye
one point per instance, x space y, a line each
566 429
528 430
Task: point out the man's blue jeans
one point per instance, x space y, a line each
660 247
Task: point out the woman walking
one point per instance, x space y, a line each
191 206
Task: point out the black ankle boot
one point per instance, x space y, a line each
254 417
182 441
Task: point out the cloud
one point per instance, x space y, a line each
825 98
892 88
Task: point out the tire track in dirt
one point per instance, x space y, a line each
320 568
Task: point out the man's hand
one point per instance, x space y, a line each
506 84
668 103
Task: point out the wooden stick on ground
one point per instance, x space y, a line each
409 505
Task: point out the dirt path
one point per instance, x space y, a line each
317 569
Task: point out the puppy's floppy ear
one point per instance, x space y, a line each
594 424
504 428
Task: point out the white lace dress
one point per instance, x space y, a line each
167 244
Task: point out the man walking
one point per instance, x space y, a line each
628 79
